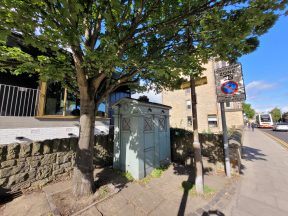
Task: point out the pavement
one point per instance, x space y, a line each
159 196
263 189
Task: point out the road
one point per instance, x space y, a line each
263 187
278 134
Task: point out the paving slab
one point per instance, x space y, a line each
114 205
91 212
34 204
263 189
57 187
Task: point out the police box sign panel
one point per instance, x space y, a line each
229 84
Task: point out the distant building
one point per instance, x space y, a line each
209 115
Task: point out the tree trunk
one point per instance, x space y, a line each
83 180
199 184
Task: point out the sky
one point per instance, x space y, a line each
265 71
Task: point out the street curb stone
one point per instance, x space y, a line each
219 201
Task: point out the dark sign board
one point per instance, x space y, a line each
229 84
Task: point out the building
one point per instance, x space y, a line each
209 115
34 110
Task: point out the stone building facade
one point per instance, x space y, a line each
209 115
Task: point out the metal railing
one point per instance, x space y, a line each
18 101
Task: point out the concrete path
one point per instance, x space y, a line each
264 186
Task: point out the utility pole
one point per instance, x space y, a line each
225 141
196 144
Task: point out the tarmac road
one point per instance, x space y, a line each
278 134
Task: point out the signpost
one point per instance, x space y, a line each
229 88
229 84
198 81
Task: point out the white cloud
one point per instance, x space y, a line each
152 95
259 85
264 110
284 109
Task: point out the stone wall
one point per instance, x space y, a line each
32 165
212 148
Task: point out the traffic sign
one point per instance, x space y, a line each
229 84
229 87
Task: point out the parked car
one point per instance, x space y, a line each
283 126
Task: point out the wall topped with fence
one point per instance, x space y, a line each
18 101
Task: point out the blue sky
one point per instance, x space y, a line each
265 71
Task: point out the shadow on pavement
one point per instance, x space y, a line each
108 175
214 212
7 195
251 154
187 185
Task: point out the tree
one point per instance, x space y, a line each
117 42
276 114
248 110
285 117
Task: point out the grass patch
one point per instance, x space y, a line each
156 173
191 188
128 176
103 192
125 175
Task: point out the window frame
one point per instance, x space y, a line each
41 104
188 105
213 125
189 122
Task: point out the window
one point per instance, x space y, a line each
188 104
54 99
148 124
188 91
189 120
228 105
126 124
212 121
162 124
60 102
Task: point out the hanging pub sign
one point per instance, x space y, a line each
229 84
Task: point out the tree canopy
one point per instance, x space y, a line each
276 114
248 110
150 40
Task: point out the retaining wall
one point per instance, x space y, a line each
212 148
32 165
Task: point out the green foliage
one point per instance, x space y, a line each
156 173
156 41
190 187
128 176
248 110
276 114
125 175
